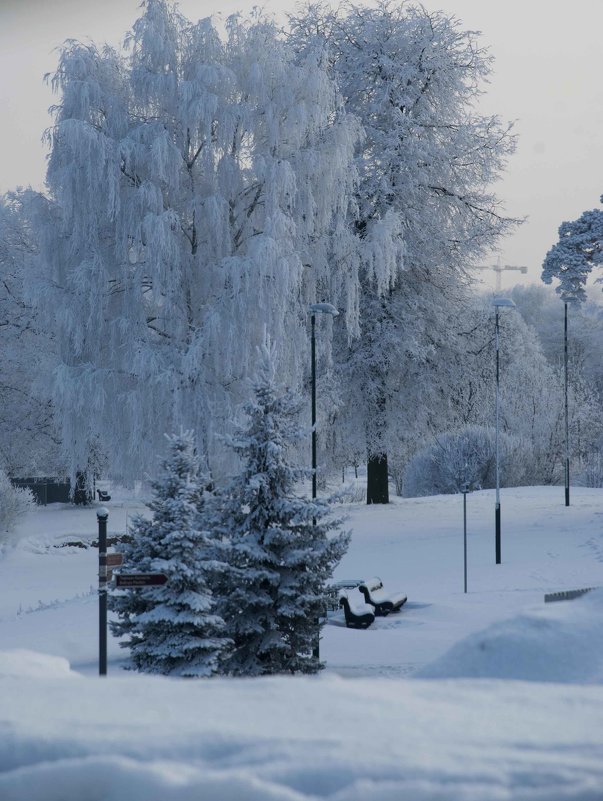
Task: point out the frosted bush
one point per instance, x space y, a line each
467 455
14 503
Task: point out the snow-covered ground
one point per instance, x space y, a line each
486 696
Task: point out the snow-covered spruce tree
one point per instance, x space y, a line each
424 209
281 551
174 629
202 185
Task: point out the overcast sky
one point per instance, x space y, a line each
547 78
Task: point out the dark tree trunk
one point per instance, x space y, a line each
377 487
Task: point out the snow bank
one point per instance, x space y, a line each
559 642
30 664
298 739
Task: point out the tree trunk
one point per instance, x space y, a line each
377 487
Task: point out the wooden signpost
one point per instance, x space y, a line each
113 560
125 581
102 517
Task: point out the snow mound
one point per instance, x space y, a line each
30 664
148 738
560 642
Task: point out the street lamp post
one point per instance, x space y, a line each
316 308
567 463
498 303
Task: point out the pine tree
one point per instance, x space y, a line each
173 629
571 259
280 551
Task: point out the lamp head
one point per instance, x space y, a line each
502 303
323 308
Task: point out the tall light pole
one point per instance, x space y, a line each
316 308
567 463
498 303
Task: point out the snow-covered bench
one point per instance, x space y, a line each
382 601
358 614
103 496
334 591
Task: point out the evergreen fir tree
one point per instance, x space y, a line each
280 551
173 629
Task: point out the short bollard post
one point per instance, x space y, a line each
465 490
102 515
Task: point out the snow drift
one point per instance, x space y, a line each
560 642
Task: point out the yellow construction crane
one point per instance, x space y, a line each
498 269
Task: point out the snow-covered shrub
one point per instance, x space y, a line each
14 503
466 455
173 629
282 548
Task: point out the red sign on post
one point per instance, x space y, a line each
115 559
134 580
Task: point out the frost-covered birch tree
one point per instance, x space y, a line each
203 185
424 207
174 629
282 548
29 443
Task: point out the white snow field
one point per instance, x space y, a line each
488 696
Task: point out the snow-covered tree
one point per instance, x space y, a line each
460 379
424 210
202 184
14 503
174 629
282 549
571 259
540 308
29 443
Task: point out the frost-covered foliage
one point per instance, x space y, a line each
202 186
29 443
173 629
14 503
544 314
466 456
424 210
281 547
578 250
455 387
590 470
